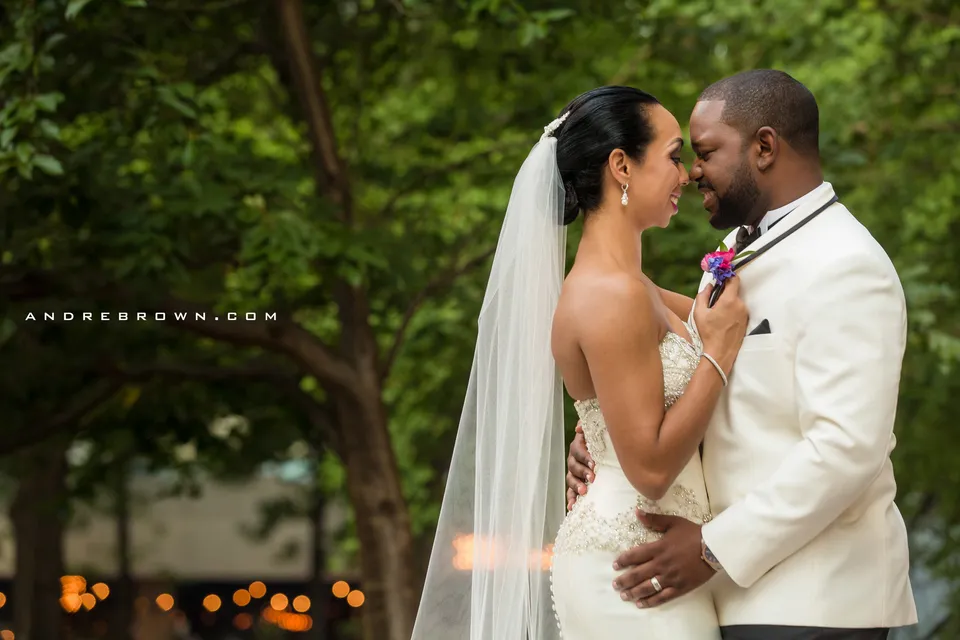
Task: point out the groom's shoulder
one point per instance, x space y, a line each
847 244
847 238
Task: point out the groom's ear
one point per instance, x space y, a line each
768 147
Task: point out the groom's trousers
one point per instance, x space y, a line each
777 632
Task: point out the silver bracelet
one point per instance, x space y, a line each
710 359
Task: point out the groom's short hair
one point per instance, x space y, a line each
769 98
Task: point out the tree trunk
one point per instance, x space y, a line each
122 626
318 592
38 517
351 377
382 520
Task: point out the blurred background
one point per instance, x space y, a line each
334 174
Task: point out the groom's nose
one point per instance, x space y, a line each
696 171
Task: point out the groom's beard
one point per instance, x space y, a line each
735 207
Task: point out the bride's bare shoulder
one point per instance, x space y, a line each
595 300
599 314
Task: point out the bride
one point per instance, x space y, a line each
506 564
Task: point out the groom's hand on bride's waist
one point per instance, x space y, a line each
673 563
579 468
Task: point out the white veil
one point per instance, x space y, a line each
489 577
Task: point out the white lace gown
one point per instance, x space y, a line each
603 523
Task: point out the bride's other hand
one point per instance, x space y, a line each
722 327
579 466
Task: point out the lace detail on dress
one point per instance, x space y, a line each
593 428
585 530
687 506
680 359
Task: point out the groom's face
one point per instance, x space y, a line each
722 169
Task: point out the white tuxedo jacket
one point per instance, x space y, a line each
797 455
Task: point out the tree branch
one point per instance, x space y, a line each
280 335
74 411
287 382
330 172
319 415
436 285
142 373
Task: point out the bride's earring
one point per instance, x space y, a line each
624 199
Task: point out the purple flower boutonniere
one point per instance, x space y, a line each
720 263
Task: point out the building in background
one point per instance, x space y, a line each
198 568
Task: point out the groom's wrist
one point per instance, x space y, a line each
707 556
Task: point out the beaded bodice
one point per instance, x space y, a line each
680 359
605 519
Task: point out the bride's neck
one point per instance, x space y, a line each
611 238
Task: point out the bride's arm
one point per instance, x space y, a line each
676 302
621 344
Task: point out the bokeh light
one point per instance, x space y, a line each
212 602
70 602
355 598
257 589
88 600
165 601
243 621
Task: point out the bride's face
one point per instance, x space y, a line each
656 183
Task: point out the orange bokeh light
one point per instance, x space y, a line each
258 589
70 602
301 604
241 597
482 552
355 598
88 600
6 634
165 601
100 590
243 621
279 601
73 584
288 621
340 589
211 602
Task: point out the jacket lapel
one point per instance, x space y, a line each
791 220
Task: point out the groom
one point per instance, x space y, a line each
806 541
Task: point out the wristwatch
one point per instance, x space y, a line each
707 556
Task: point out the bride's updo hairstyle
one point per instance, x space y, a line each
599 121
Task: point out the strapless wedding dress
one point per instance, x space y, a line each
603 524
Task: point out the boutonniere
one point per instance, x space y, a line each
720 263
